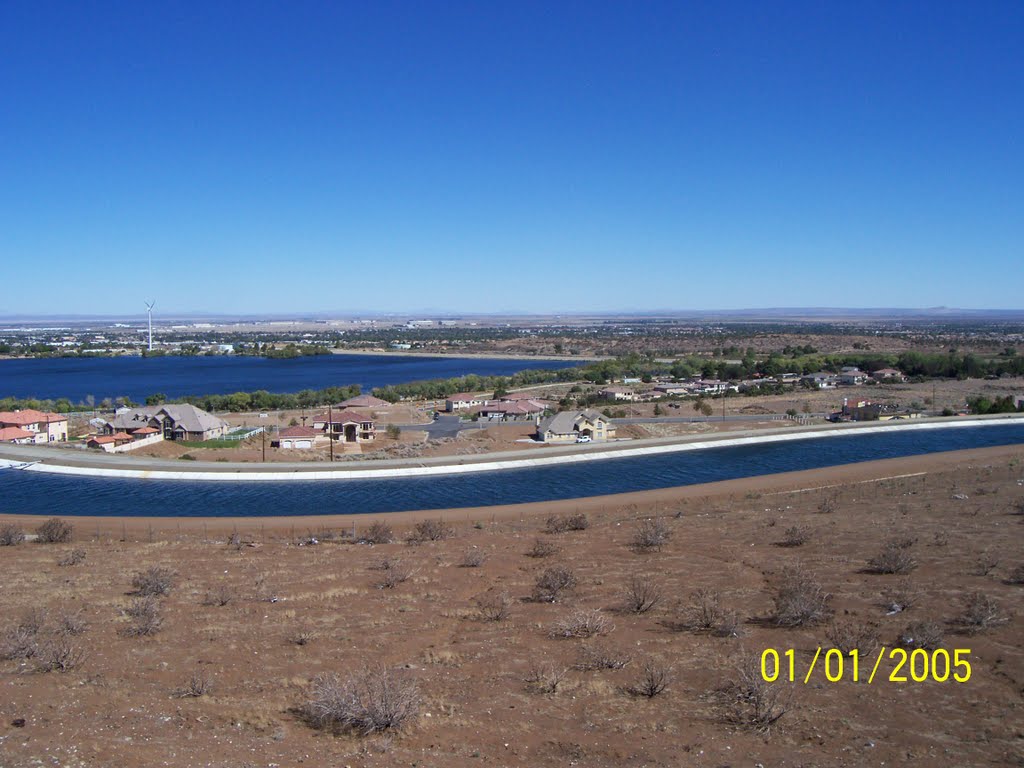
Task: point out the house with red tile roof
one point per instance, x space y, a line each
346 425
45 427
16 435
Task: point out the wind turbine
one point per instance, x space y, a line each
149 311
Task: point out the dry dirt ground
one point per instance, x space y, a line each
294 610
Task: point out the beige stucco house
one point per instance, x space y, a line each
571 426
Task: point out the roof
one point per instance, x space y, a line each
365 401
13 433
344 416
517 407
465 397
511 397
146 431
184 415
566 422
622 390
29 416
298 432
117 437
887 372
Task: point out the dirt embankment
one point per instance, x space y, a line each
258 616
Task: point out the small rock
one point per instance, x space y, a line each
18 722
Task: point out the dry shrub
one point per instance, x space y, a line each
985 564
1016 576
378 533
71 623
704 613
59 655
900 597
146 617
544 677
199 684
54 531
753 703
563 523
155 581
828 505
582 623
473 558
395 572
19 643
11 535
74 557
650 535
542 548
922 634
980 612
852 636
894 558
795 536
641 594
373 701
302 637
219 596
429 530
799 599
493 606
655 676
33 620
552 583
596 656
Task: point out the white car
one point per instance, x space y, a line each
583 439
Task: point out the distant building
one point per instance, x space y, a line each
851 376
626 394
45 427
570 426
822 380
176 421
888 374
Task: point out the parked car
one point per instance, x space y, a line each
583 439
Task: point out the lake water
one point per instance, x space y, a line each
138 377
67 495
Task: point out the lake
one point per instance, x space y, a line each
75 495
138 377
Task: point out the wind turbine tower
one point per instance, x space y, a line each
149 311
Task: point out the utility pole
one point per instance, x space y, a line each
330 429
263 434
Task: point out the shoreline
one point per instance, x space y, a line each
632 505
471 355
126 467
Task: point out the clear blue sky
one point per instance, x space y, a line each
289 156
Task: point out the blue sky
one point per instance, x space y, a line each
539 157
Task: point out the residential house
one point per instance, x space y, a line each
176 421
364 401
570 426
627 394
110 442
463 400
821 380
346 425
888 375
860 409
672 390
45 427
16 435
301 438
852 376
508 411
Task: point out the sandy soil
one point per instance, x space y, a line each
118 706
